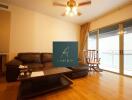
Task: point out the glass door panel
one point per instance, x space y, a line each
128 49
109 48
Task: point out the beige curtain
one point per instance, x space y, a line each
83 39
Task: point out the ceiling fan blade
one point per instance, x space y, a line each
84 3
58 4
3 6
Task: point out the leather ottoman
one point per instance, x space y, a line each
78 71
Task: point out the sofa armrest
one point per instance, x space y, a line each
12 70
14 62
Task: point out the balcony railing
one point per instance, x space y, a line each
110 60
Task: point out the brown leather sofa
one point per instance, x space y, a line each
35 61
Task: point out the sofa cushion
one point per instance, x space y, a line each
30 57
48 65
46 57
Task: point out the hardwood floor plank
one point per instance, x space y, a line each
95 86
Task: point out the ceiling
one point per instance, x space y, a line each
89 12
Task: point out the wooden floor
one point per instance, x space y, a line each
95 86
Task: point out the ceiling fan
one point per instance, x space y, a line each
71 7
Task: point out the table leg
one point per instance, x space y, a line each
0 65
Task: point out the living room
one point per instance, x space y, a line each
30 31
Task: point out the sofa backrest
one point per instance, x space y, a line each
34 57
46 57
29 57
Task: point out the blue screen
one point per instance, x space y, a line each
65 54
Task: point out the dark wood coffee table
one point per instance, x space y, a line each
52 79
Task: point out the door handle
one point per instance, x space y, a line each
121 52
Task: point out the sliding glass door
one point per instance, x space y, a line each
109 48
115 47
128 48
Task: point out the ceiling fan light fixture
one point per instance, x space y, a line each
71 11
71 14
71 7
68 10
74 10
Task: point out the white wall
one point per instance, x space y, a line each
35 32
113 17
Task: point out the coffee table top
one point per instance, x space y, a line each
44 73
58 70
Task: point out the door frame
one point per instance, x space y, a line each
121 49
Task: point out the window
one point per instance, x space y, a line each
92 41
